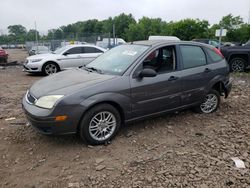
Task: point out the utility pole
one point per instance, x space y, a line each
249 17
36 38
114 34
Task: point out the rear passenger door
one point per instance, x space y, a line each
196 73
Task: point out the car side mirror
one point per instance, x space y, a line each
66 53
147 72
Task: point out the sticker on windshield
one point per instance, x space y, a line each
129 52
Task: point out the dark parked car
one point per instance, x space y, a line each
128 83
212 42
237 56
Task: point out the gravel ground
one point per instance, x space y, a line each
183 149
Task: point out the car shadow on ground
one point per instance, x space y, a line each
126 131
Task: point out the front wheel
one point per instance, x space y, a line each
100 124
237 65
210 103
50 68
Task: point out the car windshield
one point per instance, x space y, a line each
248 43
60 50
118 59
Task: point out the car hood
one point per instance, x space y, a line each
43 56
67 82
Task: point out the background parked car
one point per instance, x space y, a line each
3 55
127 83
237 56
108 43
38 50
212 42
63 58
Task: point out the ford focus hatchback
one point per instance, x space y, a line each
129 82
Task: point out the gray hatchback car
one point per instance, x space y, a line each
127 83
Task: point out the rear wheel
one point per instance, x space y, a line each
210 103
100 124
237 65
50 68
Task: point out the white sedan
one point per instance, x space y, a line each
63 58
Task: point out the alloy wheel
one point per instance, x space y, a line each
238 65
102 126
50 69
210 103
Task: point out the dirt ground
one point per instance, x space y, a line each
184 149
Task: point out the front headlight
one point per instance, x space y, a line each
35 60
48 101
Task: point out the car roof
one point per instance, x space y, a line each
84 45
166 42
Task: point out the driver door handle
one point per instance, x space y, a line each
172 78
207 70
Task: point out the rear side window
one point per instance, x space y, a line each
92 50
213 55
192 56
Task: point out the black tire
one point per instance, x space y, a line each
200 108
54 68
87 121
237 64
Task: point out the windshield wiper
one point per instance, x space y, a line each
91 69
95 69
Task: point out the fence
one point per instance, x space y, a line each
53 43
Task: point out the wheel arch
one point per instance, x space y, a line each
90 103
244 56
220 87
51 61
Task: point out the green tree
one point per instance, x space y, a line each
31 35
17 33
231 22
55 34
122 23
144 28
188 29
17 30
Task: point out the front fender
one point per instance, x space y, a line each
123 101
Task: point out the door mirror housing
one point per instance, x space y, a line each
147 72
66 53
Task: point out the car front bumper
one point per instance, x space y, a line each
32 67
43 120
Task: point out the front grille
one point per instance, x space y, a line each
30 98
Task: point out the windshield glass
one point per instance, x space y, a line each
248 43
118 59
60 50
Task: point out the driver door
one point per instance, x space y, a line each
72 58
152 95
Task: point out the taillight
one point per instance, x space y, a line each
217 51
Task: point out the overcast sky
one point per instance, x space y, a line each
50 14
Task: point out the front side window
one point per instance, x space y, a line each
76 50
60 50
91 50
161 60
192 56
